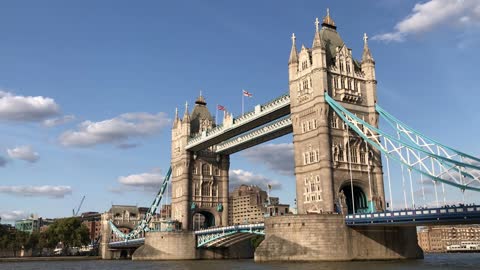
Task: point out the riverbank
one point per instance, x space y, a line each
50 259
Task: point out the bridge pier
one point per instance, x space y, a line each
327 238
183 246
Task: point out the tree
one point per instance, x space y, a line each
70 231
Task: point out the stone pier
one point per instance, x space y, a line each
182 246
327 238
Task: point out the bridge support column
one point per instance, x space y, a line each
183 246
106 234
327 238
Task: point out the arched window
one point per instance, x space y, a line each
353 153
206 190
214 190
362 156
206 170
197 189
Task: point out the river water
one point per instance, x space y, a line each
456 261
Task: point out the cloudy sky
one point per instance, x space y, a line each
88 89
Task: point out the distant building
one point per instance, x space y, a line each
246 204
166 211
92 220
274 208
32 224
438 238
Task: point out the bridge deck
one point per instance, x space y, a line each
418 217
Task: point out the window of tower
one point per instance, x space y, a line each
197 189
206 190
354 155
311 157
217 172
340 154
341 65
348 67
206 170
362 157
215 190
306 158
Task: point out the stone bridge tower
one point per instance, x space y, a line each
335 170
199 179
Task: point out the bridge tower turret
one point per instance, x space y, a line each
199 179
328 157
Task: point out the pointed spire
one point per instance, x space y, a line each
317 40
176 120
293 52
328 21
186 115
367 55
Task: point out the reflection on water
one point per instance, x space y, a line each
431 261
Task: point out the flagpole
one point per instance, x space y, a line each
216 116
243 97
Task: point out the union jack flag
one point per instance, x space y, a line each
221 108
247 94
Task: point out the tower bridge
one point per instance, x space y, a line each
343 189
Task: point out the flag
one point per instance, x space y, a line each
247 94
221 108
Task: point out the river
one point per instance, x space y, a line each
456 261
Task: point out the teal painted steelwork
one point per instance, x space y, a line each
396 124
392 119
342 113
143 226
208 236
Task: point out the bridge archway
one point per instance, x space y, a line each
359 198
203 220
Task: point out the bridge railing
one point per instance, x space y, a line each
416 215
231 228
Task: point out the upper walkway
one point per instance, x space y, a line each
261 115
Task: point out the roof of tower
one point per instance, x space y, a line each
332 40
328 21
200 112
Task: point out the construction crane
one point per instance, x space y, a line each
79 206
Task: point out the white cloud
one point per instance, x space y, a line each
277 157
12 215
3 161
241 177
142 180
58 121
115 130
148 182
37 191
432 14
22 108
25 152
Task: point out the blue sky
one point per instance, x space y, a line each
88 88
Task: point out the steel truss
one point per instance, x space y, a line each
143 225
415 151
